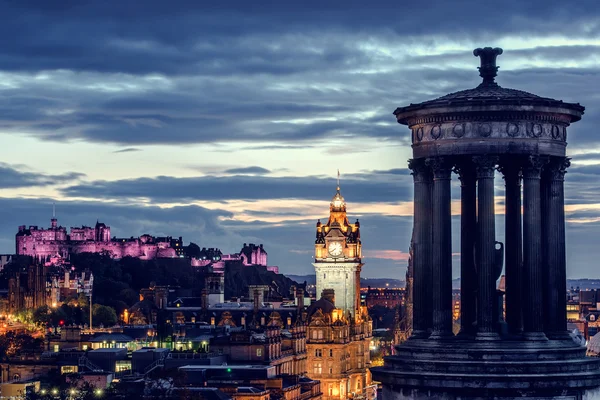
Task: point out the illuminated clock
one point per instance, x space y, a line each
335 249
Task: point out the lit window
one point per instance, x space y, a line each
259 352
317 368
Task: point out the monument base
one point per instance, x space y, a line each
505 369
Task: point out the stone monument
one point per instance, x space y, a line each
531 354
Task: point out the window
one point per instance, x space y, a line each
318 353
68 369
330 371
320 334
123 365
84 347
259 352
324 276
330 352
317 368
56 348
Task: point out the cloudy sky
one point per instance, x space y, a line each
226 124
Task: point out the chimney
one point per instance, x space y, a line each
204 300
328 294
256 300
299 299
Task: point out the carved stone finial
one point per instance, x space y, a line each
488 69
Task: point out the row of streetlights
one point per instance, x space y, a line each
71 392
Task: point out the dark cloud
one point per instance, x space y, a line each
369 188
127 150
16 176
189 36
248 170
122 73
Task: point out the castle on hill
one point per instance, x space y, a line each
55 244
54 241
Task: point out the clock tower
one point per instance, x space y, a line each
338 257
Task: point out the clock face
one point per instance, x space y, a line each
335 249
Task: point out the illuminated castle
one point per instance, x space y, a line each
47 243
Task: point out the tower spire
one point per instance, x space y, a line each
338 180
53 210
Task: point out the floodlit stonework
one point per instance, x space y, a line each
55 241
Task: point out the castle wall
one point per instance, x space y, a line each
83 233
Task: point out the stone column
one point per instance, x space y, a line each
468 224
554 248
532 250
513 247
441 281
485 248
421 248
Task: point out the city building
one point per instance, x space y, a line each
54 241
41 284
384 297
339 328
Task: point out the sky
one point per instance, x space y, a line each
226 123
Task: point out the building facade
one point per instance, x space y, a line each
339 328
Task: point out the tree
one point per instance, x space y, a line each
82 300
41 315
192 250
104 315
13 343
129 296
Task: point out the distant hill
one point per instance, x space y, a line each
364 282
